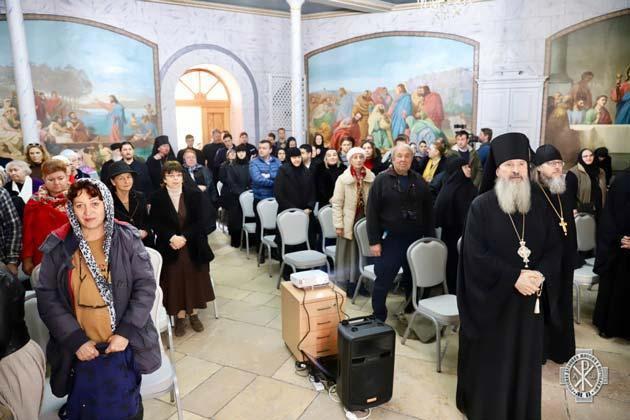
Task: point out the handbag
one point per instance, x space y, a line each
105 388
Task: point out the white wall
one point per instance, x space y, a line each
261 43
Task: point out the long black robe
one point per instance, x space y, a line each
501 339
612 263
559 332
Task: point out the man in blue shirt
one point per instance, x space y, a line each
262 172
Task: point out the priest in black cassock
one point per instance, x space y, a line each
612 261
510 256
549 184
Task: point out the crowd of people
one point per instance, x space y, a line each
503 211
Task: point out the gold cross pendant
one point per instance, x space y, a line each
563 225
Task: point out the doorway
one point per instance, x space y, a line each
202 104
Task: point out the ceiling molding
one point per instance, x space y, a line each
223 7
326 15
366 6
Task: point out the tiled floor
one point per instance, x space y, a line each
239 367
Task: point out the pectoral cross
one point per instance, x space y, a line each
563 225
524 253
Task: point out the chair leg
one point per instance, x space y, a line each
241 242
171 347
577 295
413 317
214 302
280 275
269 257
260 249
356 289
438 345
247 243
178 403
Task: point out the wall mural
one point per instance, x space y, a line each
93 84
588 92
382 85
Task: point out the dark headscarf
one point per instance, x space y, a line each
606 163
457 187
242 148
593 169
160 140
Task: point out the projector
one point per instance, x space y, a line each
310 278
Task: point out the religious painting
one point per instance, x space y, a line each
383 85
93 85
588 91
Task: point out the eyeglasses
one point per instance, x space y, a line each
555 164
174 175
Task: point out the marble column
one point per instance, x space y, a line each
297 72
22 72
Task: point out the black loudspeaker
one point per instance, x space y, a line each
365 374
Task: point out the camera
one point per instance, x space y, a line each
459 127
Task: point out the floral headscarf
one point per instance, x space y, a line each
103 285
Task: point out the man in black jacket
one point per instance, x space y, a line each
399 212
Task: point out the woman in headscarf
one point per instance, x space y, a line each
319 149
349 202
160 154
197 175
44 212
95 294
282 155
130 205
605 162
586 181
373 159
451 208
21 359
20 185
36 155
235 182
326 174
181 224
294 188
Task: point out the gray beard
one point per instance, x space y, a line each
513 196
556 185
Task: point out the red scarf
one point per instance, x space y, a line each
57 202
358 177
369 163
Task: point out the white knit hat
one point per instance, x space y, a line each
354 151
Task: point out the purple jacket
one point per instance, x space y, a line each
134 292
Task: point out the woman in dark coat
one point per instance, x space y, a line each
294 188
129 205
451 208
235 179
586 183
95 294
181 224
612 261
319 149
326 174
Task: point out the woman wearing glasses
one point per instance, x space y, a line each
95 293
180 222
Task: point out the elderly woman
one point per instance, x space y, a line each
21 360
349 202
44 212
95 294
36 155
199 176
73 158
586 184
20 185
180 223
129 205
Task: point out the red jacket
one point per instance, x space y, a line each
40 219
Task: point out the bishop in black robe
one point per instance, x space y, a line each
501 338
559 333
612 261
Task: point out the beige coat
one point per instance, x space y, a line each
344 200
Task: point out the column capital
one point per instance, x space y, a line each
295 4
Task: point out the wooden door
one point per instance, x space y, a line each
215 118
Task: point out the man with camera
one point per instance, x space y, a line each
399 212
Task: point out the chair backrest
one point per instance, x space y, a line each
293 227
427 262
156 262
585 228
35 276
36 327
363 244
326 222
267 211
438 232
246 200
